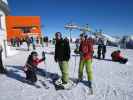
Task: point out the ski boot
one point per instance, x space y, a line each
91 92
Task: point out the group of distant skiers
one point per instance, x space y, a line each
17 42
62 57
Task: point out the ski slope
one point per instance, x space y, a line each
112 81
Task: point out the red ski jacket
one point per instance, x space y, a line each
86 49
116 56
33 64
37 61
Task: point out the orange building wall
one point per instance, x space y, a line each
22 21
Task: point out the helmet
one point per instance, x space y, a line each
34 53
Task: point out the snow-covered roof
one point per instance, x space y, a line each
5 1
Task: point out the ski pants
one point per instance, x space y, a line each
31 75
103 55
89 69
64 70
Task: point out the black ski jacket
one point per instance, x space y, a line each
62 50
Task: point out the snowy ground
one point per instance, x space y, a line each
112 81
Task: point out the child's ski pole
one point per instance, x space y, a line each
43 55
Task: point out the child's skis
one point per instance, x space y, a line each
44 84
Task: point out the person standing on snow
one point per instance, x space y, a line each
101 49
62 56
28 41
86 53
77 43
41 41
2 70
33 43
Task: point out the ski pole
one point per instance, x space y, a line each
46 71
74 66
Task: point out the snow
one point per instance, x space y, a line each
110 38
112 81
131 37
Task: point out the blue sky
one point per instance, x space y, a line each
114 17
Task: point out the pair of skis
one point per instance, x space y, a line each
36 85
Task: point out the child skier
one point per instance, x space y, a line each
86 53
31 67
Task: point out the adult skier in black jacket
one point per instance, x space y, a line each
62 56
101 50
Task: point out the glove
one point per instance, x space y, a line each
76 51
68 57
44 58
25 68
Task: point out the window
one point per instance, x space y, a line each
26 30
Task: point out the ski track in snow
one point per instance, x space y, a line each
112 80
